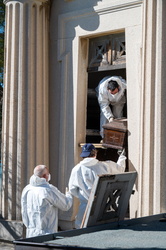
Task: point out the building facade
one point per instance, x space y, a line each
56 52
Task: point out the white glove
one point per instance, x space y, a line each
111 119
121 152
67 190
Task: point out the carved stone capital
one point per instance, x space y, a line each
25 1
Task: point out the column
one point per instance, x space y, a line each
152 172
25 107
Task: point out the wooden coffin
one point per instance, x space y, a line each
115 134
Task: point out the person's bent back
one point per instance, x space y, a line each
40 202
85 172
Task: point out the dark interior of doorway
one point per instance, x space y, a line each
93 112
93 117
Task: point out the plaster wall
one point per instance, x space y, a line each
72 23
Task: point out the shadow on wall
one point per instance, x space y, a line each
65 17
78 6
94 23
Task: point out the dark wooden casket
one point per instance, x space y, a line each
115 134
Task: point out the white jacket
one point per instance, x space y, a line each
83 176
40 202
105 98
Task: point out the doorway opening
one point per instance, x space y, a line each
93 109
107 57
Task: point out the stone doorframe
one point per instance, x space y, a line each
73 55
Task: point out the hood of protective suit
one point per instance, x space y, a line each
37 181
122 86
89 161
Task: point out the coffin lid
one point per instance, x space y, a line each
117 124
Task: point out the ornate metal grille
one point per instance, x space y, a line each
107 52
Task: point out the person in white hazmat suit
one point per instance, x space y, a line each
84 173
111 90
40 202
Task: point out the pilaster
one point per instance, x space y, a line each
152 172
25 107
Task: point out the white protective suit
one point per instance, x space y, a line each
105 98
83 176
40 202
